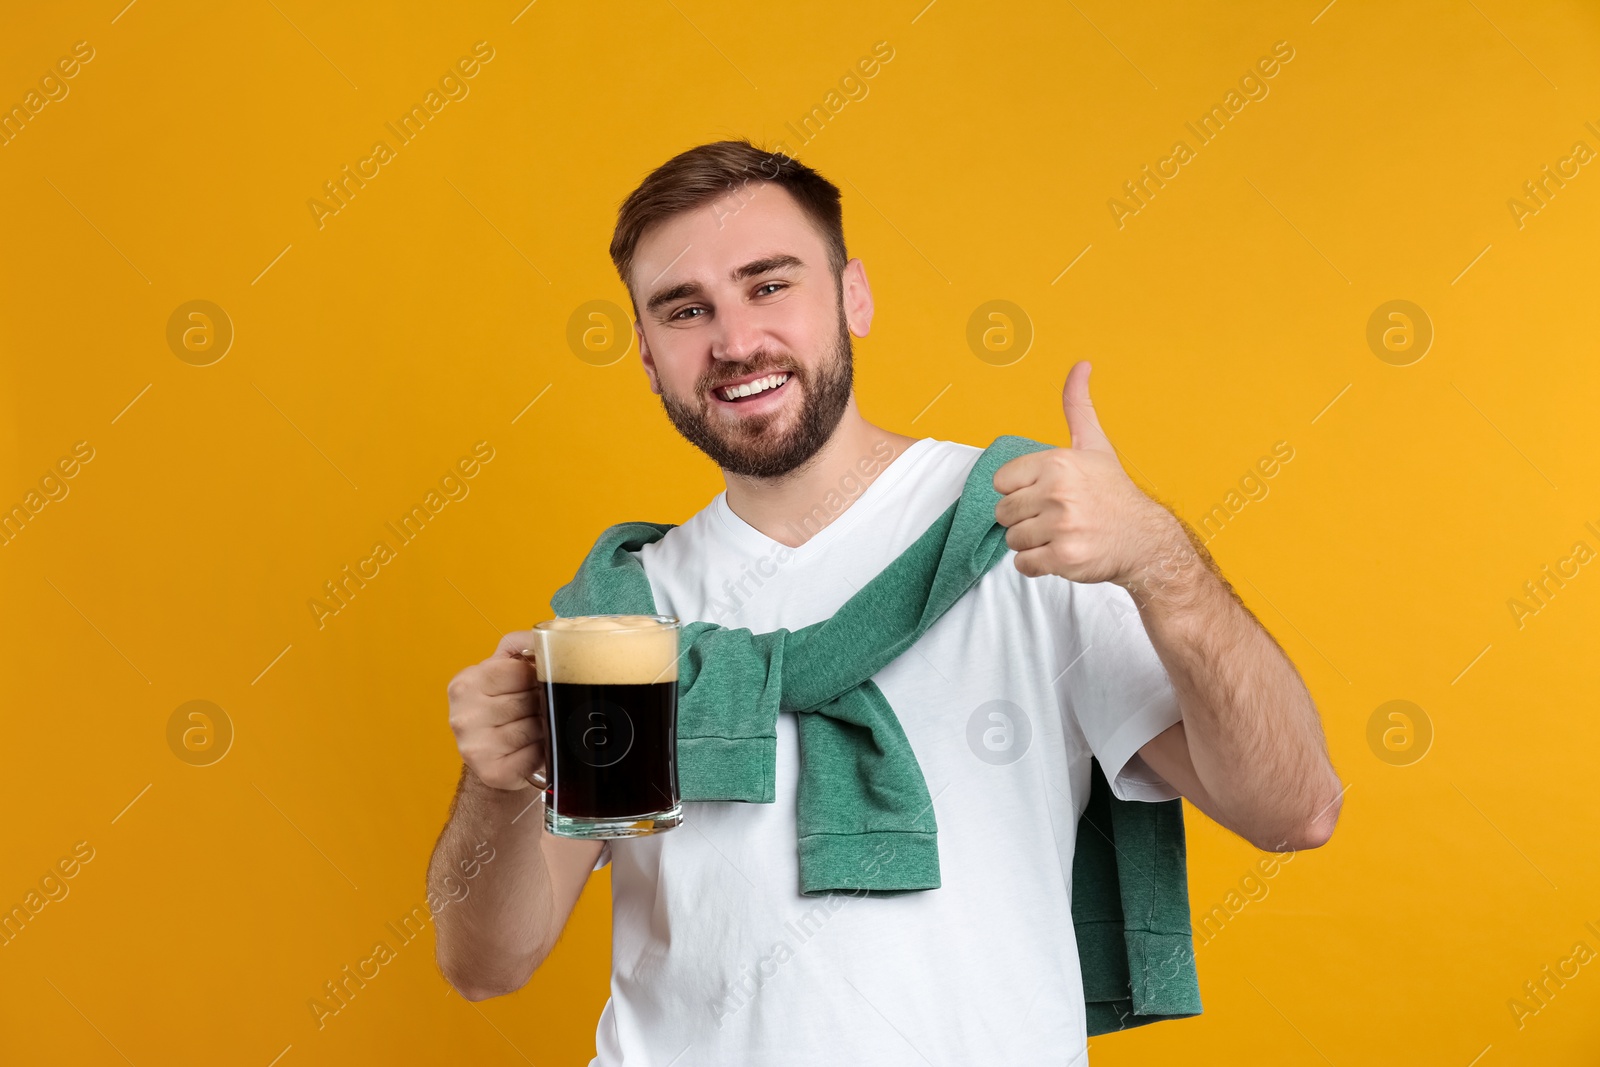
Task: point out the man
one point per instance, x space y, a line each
1105 633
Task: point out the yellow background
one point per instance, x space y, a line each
427 314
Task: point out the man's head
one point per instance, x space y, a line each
734 259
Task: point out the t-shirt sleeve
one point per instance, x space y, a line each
605 856
1117 687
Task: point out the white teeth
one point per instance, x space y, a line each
759 385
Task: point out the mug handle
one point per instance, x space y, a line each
538 779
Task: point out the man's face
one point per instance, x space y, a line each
734 292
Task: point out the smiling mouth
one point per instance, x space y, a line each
761 387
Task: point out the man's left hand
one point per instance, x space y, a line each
1075 513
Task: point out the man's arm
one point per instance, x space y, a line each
490 941
1249 751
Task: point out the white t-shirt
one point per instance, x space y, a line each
717 959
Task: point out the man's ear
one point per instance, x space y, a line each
647 359
857 297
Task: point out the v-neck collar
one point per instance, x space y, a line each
753 540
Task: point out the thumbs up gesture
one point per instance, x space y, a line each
1075 513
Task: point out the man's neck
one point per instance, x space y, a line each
794 508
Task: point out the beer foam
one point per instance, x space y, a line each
606 650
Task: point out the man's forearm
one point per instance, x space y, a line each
490 942
1252 741
1253 731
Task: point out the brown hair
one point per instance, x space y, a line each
706 172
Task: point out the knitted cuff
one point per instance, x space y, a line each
883 860
728 768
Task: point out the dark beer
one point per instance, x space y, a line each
609 685
613 749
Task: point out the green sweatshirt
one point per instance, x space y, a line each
865 816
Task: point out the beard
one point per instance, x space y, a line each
745 446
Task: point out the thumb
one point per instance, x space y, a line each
1082 422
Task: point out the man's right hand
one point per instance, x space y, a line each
497 714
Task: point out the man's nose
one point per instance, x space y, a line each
738 333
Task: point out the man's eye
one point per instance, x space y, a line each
765 285
679 313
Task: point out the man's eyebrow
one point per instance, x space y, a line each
667 296
755 267
764 265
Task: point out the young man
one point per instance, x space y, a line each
1105 633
